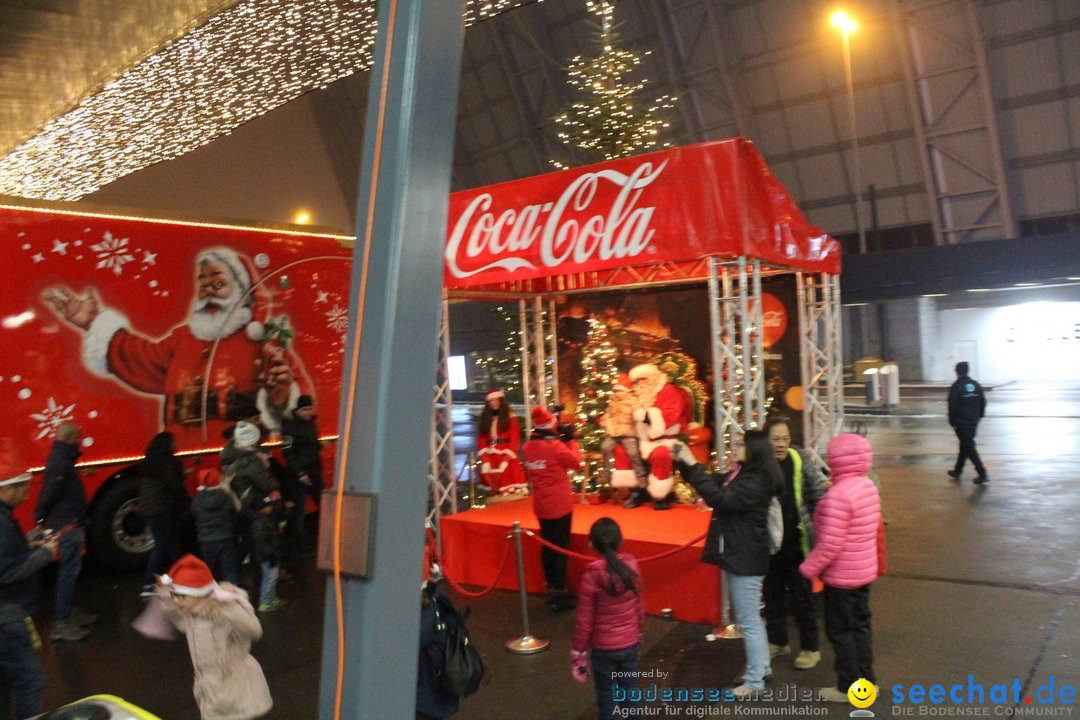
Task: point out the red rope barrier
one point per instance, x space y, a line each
458 588
506 557
673 550
580 556
556 548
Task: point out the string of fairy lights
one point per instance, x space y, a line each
241 63
607 124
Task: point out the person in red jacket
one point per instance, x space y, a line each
548 460
846 559
498 438
610 620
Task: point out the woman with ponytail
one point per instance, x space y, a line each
610 619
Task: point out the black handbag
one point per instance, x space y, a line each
461 668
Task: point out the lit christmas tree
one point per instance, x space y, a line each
608 125
598 374
504 366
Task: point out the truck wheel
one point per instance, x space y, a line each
119 537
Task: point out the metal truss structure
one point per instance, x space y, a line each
955 123
442 480
821 358
737 351
736 318
539 369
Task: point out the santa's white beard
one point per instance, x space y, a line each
208 325
645 392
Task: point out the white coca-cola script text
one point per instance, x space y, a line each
568 233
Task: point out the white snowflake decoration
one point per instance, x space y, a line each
112 252
337 319
52 417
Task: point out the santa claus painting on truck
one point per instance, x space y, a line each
128 326
245 372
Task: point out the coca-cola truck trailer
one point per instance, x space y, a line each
127 326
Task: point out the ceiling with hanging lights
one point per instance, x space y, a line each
962 105
140 83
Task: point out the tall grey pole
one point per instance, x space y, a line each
854 144
369 658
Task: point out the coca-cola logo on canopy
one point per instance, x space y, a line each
598 216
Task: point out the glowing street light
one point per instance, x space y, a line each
847 25
845 22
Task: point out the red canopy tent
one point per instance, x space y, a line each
709 213
655 216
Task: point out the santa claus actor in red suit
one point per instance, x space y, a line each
663 413
498 439
244 372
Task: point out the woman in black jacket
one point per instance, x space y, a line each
738 539
162 502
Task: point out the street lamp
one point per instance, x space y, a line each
847 25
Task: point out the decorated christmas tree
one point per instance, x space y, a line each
598 374
608 124
503 366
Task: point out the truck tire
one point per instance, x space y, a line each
119 537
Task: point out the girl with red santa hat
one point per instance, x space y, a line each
498 438
220 625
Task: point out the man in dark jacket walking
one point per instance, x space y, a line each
967 405
21 678
62 505
301 448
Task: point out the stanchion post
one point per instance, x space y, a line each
526 644
726 630
471 462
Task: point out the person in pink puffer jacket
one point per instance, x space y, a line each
845 558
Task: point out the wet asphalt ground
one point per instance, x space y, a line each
983 582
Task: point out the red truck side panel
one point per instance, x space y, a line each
99 327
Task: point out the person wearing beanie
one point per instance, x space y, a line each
620 437
220 625
498 437
845 558
21 674
214 508
250 480
548 462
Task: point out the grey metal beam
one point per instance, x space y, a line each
553 83
955 122
393 322
527 111
729 67
674 65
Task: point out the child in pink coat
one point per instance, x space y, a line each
610 621
220 626
845 558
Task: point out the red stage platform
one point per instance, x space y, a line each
473 543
